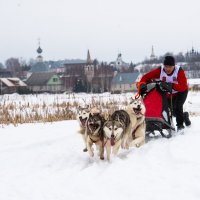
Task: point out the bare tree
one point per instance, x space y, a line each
13 65
1 66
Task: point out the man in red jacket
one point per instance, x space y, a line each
174 76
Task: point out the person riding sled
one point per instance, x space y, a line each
173 79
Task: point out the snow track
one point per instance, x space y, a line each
46 161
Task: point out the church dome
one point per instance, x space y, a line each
39 50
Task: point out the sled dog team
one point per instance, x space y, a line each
124 128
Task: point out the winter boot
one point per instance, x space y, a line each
186 119
180 128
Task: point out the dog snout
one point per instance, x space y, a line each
138 106
80 118
112 136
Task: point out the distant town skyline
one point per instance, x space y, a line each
68 28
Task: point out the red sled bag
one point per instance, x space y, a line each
158 114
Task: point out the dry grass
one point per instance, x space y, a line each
50 108
25 112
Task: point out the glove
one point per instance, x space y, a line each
143 88
167 87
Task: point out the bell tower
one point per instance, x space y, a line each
152 56
39 51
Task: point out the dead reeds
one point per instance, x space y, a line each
50 108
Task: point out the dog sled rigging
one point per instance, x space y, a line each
158 116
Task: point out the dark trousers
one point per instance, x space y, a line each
177 101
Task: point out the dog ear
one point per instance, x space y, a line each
94 111
118 119
141 98
109 116
103 119
105 115
131 100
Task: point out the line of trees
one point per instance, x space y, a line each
180 57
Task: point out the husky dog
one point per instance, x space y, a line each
114 130
136 135
94 133
82 117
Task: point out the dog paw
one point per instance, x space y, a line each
91 153
137 145
102 158
123 146
126 146
108 159
85 150
115 152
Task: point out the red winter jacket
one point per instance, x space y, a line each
155 74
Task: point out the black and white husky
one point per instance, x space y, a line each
114 130
82 117
94 133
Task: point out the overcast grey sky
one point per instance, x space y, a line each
68 28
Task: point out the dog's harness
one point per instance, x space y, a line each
104 144
94 140
99 135
134 131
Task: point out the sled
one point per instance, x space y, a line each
158 115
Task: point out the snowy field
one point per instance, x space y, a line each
46 162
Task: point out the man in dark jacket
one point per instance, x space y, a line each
173 76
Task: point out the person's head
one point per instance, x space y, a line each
169 64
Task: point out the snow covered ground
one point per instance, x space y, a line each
46 162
